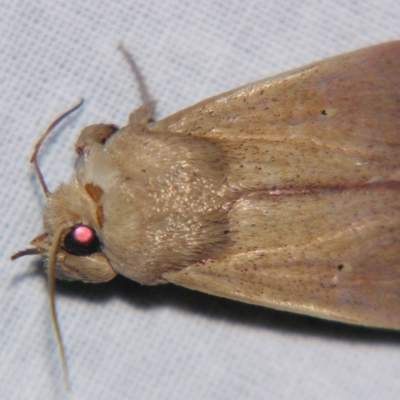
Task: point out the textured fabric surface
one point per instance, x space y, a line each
124 341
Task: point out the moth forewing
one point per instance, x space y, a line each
314 156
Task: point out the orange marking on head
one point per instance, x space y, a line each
100 216
95 192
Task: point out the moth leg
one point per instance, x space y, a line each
144 114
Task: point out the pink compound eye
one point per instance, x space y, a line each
82 240
83 234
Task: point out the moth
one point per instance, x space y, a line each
283 193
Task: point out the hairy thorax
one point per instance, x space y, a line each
163 200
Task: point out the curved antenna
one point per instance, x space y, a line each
51 286
34 157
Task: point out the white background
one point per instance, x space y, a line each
124 341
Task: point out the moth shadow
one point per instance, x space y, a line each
220 308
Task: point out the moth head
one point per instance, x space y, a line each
70 245
78 254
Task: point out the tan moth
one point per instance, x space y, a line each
283 193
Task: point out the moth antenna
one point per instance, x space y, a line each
34 157
144 92
51 286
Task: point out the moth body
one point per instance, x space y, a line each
160 200
283 193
